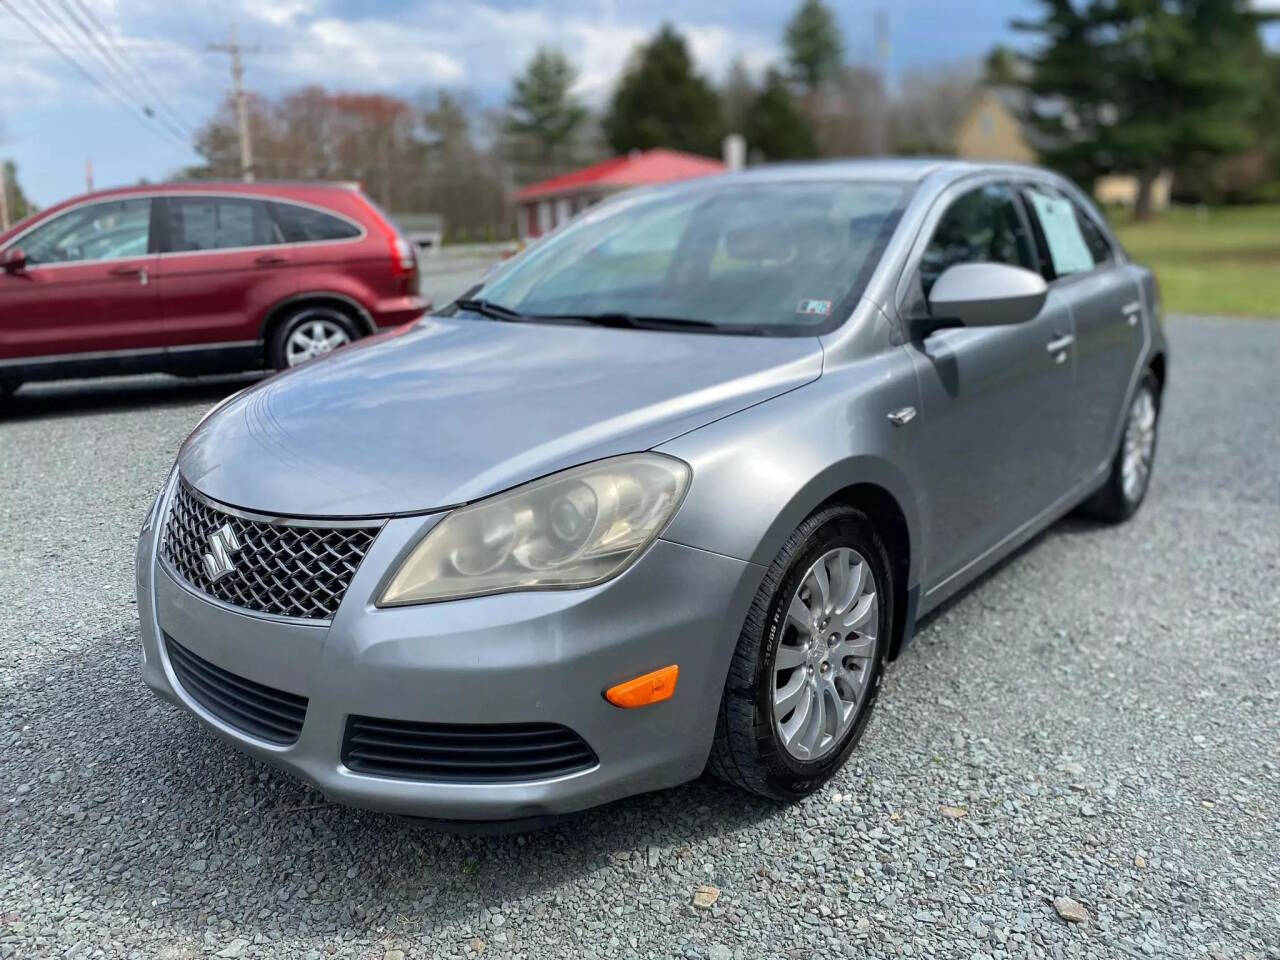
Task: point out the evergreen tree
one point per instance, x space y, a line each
776 126
661 101
815 47
542 107
1144 85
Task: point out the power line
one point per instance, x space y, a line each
83 71
121 57
123 83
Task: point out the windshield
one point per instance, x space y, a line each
777 258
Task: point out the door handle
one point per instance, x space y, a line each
1061 343
139 272
1132 311
268 260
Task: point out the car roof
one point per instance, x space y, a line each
874 169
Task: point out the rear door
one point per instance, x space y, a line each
224 264
87 287
997 439
1085 269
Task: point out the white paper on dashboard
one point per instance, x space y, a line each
1062 232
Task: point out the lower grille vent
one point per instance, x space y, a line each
264 712
479 753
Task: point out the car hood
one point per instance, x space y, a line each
455 409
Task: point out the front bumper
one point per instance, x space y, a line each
537 657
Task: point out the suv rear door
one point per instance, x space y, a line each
224 264
1082 265
87 286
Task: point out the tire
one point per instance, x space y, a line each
1119 500
750 749
308 323
8 387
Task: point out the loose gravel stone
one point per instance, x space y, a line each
1131 669
1070 911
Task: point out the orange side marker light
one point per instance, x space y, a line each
652 687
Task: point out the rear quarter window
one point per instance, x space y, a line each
308 225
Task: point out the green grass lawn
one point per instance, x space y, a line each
1222 260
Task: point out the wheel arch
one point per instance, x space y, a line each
878 489
282 308
1157 366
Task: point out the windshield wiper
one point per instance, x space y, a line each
631 321
487 308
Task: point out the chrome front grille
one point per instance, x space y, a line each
285 567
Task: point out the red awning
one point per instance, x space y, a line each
636 170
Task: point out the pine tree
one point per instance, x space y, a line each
776 126
661 101
542 108
1145 85
815 46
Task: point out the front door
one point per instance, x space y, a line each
996 420
86 288
1106 303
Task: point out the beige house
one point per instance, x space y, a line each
989 129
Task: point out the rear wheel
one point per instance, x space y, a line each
1130 475
804 677
309 332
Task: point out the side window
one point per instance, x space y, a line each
982 226
219 223
1065 229
1094 238
306 225
100 231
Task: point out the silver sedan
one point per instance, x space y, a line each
666 493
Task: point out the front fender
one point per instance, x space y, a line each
759 473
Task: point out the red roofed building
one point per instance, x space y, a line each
543 206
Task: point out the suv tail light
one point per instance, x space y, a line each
404 259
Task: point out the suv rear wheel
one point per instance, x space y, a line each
309 332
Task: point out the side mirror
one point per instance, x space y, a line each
15 261
984 295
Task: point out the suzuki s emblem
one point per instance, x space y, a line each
223 544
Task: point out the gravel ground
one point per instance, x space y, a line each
1098 719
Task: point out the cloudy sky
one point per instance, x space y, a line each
53 119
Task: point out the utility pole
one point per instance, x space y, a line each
4 196
882 73
242 109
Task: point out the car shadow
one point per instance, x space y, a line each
76 398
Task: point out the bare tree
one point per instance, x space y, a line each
928 105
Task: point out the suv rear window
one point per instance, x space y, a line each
307 225
217 223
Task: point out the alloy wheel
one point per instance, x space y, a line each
315 336
826 650
1139 445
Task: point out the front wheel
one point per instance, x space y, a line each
1130 475
807 667
310 332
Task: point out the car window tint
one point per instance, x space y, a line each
1060 224
100 231
790 255
982 226
1094 238
306 225
216 223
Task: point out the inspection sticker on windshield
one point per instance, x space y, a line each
815 308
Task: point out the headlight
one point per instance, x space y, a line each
572 529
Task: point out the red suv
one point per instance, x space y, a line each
198 278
